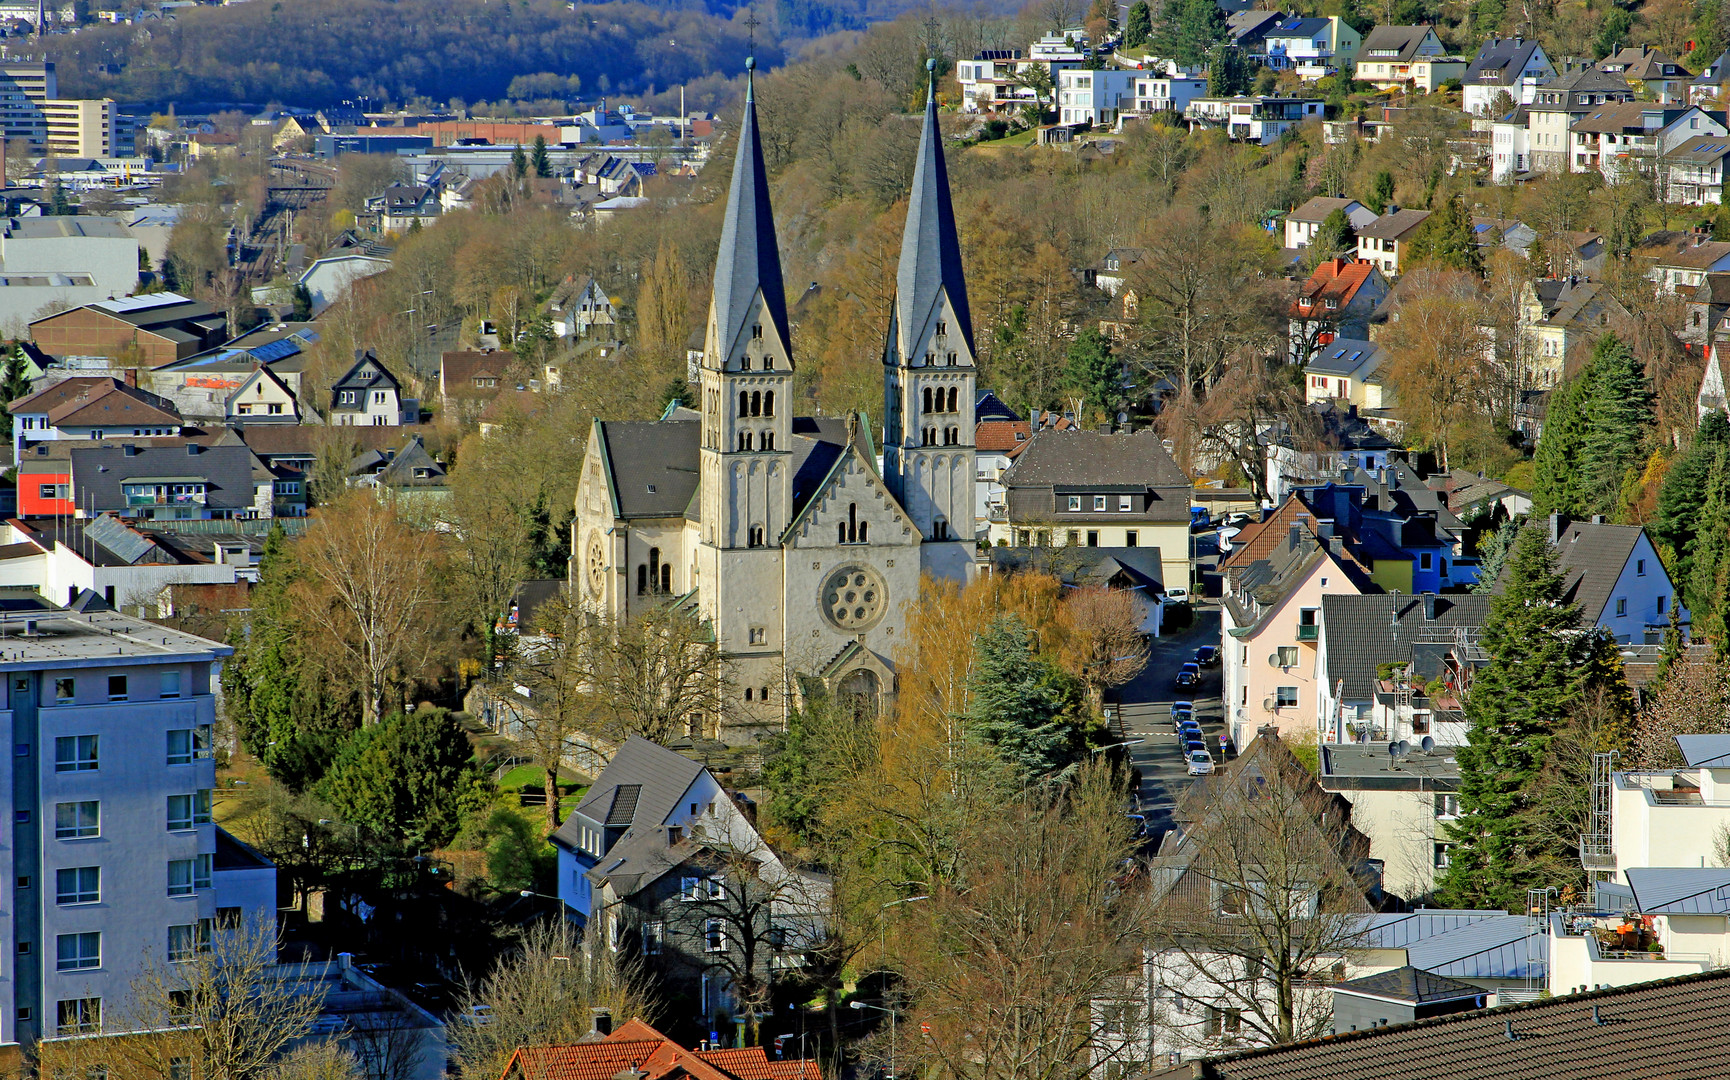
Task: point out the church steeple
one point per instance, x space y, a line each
928 377
748 265
930 269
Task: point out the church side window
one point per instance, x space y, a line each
757 332
939 529
768 440
755 536
744 403
768 403
926 398
642 579
756 403
744 440
667 577
952 393
853 531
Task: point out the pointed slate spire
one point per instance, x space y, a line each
930 249
748 259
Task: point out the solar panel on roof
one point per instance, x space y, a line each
1355 356
275 350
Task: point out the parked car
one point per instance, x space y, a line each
1188 675
1207 655
1176 596
1187 731
1194 746
1182 707
1200 763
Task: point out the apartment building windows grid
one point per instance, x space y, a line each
187 940
186 876
77 820
188 811
78 952
75 753
75 1016
78 885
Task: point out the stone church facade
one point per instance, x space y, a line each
782 531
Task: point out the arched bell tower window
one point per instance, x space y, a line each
768 403
926 398
756 403
744 402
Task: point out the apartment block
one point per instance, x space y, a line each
114 860
32 109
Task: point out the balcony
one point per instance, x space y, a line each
1308 631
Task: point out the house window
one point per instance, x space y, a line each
77 1016
1440 854
76 952
116 688
1099 502
1131 538
714 936
1286 656
714 889
75 753
274 409
1125 504
654 936
1663 605
1073 537
170 685
688 889
65 690
1621 606
1223 1021
187 940
1075 502
759 635
1285 697
1425 560
1447 806
185 876
78 885
1639 567
1093 538
188 811
77 820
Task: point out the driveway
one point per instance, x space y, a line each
1145 706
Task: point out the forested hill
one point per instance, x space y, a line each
319 52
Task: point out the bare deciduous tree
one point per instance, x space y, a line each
1438 358
318 1061
1694 699
658 675
371 573
1103 641
386 1045
551 665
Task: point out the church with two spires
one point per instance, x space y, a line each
781 531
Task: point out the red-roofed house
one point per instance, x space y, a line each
90 407
995 442
1336 301
638 1048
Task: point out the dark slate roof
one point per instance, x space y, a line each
748 258
653 465
1684 890
1347 357
1394 224
1499 61
641 786
1079 458
1394 42
1712 751
930 248
1410 984
400 472
365 361
1114 567
1298 28
1591 559
98 473
1363 631
1717 73
1669 1028
991 407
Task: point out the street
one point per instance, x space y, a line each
1145 706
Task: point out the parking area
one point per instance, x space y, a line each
1145 708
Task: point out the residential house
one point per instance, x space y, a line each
329 277
1712 396
89 407
469 380
659 862
507 407
1615 576
1558 316
992 82
1082 488
295 134
1684 267
1618 1031
1341 439
1664 817
1406 56
1560 102
580 310
1312 48
369 395
412 477
157 328
1514 66
179 483
1247 30
1094 96
401 206
1703 312
1415 533
131 567
1260 120
996 439
1648 69
1658 922
1138 572
1301 224
639 1049
201 385
1347 370
1382 240
1113 271
1404 995
263 398
1709 86
1625 135
1510 145
118 855
1396 666
1165 94
1270 621
1493 233
1693 171
1336 301
1403 802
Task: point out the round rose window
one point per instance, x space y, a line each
854 598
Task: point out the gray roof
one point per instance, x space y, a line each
1462 944
748 258
1717 73
55 227
1393 42
99 471
1410 984
1119 567
1363 631
401 471
1591 559
1318 208
1368 767
1298 27
1075 458
930 248
1701 148
653 465
1500 61
1712 751
641 786
1394 224
1347 357
352 379
1684 890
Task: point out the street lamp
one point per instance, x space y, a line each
866 1005
1109 745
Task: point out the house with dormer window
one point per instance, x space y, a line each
368 395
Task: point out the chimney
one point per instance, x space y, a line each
602 1023
1598 519
1558 522
129 450
1429 607
1393 208
1295 536
129 376
192 449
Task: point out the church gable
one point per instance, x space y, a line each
852 507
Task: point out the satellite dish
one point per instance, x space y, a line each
1268 704
1393 749
1273 659
1405 747
1428 745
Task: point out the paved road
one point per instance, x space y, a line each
1145 706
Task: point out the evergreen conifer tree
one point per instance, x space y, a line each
1016 700
1139 27
1617 414
540 159
519 163
1188 30
1445 240
1093 374
1709 559
1334 238
1381 192
1555 463
1513 707
1683 494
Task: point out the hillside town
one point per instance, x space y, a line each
1162 540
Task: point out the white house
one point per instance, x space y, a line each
1086 96
1510 145
369 395
329 278
1302 224
1615 576
1253 119
1313 48
1514 66
1167 93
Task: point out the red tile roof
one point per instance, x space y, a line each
998 436
640 1048
1337 280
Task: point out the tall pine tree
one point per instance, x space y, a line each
1618 415
1139 26
1683 494
1514 706
1017 701
1556 484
